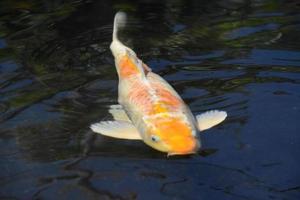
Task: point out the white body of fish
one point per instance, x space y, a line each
149 108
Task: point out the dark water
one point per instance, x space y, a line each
57 77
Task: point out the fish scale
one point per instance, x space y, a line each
152 98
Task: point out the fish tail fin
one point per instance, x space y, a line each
118 48
127 61
119 21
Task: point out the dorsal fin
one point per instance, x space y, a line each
146 68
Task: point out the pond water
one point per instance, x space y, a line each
57 76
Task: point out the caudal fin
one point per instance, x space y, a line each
119 50
119 21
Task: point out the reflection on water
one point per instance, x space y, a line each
57 77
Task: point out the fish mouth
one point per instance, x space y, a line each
181 153
190 147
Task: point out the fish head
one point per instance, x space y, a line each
172 135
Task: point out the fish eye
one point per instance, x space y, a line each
154 138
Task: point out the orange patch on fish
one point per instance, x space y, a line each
166 97
127 67
171 126
159 108
140 96
176 134
165 100
170 99
182 145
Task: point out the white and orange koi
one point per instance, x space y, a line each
150 109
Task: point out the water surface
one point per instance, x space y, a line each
57 76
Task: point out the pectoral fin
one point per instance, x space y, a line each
117 129
210 118
118 113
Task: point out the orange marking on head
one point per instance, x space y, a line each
182 145
127 67
171 126
177 135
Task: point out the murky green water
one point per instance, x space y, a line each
57 76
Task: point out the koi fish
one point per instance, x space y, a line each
149 108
